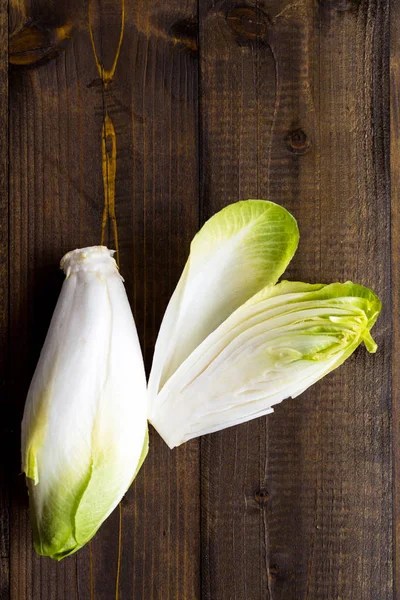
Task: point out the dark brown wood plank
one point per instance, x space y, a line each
55 199
295 109
150 546
161 514
4 430
395 272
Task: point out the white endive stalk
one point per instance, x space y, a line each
84 430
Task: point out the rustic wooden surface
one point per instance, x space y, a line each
4 305
395 254
209 102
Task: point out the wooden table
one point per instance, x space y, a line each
203 103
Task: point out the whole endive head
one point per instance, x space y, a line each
84 430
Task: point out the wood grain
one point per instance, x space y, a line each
55 199
150 546
395 272
4 305
295 109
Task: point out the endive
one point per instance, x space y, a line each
242 248
220 364
84 430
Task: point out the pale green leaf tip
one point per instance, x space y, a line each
374 309
233 210
369 342
58 551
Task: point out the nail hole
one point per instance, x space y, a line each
262 497
297 141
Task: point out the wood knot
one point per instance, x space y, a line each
262 497
248 22
35 44
297 141
185 32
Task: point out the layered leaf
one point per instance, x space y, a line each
241 249
84 432
280 342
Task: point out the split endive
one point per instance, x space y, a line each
84 430
232 344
